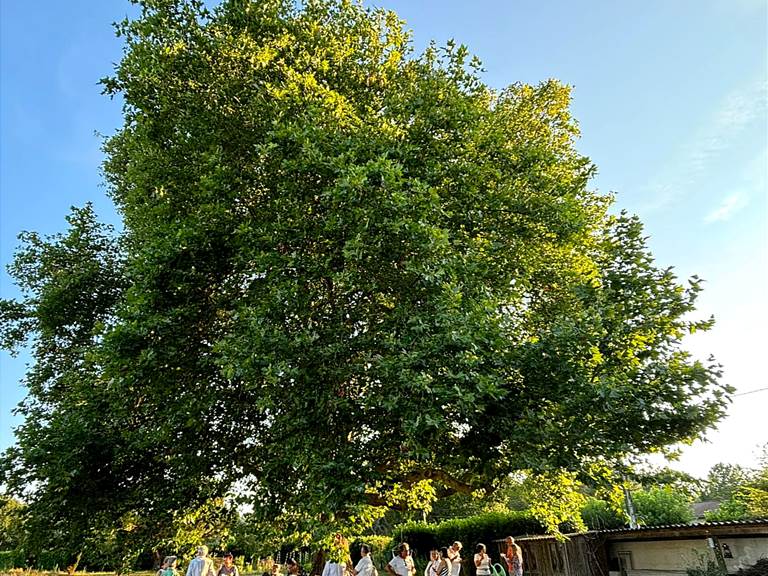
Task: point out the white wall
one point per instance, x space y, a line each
674 556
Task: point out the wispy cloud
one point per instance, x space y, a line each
738 112
727 208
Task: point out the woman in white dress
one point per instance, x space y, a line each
365 565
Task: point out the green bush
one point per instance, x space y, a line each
51 560
483 528
658 506
421 537
705 566
12 559
729 510
600 515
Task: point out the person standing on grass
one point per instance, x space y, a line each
454 555
445 563
201 565
402 564
168 568
340 554
482 561
365 566
228 567
292 567
513 558
434 564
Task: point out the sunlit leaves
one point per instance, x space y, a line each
352 277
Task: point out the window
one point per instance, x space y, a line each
625 562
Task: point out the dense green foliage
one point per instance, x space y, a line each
12 559
483 528
350 278
723 480
743 493
601 515
657 506
674 479
12 532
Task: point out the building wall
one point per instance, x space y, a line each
746 551
674 556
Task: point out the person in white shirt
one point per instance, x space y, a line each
340 550
365 565
454 555
482 561
402 564
433 566
201 565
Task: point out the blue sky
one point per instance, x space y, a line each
671 97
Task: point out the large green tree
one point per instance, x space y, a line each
351 277
67 449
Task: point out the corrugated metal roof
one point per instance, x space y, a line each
641 529
752 522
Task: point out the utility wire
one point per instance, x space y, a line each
751 392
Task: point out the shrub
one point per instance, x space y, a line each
705 566
12 559
759 568
483 528
729 510
600 515
746 502
657 506
51 560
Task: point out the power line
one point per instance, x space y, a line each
751 392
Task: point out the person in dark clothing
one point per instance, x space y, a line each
228 567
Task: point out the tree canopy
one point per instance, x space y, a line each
350 277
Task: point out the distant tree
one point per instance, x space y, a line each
67 446
723 480
80 445
350 278
11 523
675 479
657 506
749 498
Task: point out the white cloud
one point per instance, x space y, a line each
727 208
740 110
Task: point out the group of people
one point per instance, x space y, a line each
447 561
343 566
442 562
512 558
200 565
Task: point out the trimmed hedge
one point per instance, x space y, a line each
483 528
12 559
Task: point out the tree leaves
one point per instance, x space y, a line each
349 277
